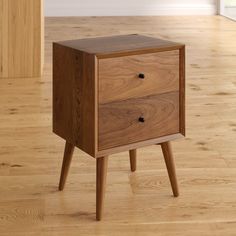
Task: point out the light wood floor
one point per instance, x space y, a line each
140 203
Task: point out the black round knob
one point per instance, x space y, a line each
141 75
141 119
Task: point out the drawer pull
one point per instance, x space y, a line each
141 119
141 75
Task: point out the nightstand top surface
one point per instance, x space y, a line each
119 44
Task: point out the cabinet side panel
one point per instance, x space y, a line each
182 90
73 97
38 38
24 54
63 76
3 38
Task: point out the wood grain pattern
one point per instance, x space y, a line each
74 95
21 49
20 39
38 37
101 174
118 77
119 125
170 165
133 159
136 204
68 153
182 90
4 38
139 144
78 83
112 46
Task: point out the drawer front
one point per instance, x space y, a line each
138 119
119 77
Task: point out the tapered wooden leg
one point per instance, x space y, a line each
132 157
101 185
68 153
169 160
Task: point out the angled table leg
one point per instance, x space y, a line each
101 185
132 157
68 153
169 160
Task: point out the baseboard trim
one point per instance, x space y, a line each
130 10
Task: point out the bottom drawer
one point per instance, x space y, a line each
139 119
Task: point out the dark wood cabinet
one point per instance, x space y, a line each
118 93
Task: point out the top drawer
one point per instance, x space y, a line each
119 77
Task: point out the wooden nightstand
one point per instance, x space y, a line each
119 93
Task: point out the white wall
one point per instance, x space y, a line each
129 7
